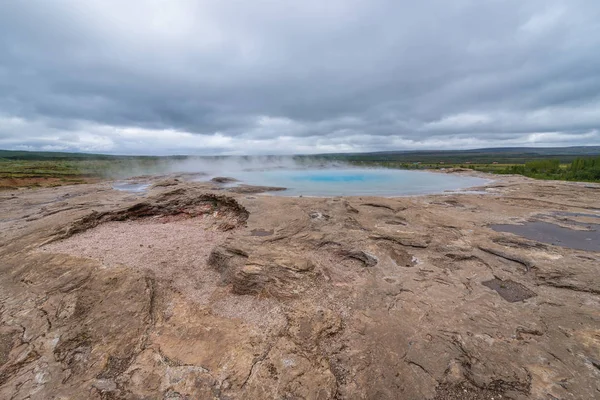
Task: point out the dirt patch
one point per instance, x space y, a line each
262 312
176 251
261 232
509 290
6 342
14 183
465 392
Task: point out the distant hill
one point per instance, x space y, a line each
64 156
573 150
50 155
505 155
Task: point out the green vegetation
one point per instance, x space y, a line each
498 156
570 163
15 173
580 169
79 171
585 169
35 169
21 168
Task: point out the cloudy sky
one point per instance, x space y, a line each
297 76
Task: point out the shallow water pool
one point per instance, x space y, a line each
131 187
355 181
556 235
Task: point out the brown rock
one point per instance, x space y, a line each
175 298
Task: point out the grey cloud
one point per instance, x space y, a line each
300 76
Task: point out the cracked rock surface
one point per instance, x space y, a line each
174 295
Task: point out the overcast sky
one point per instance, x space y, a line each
297 76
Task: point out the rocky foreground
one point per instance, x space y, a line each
190 292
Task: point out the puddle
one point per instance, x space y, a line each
131 187
509 290
556 235
261 232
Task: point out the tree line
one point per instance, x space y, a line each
580 169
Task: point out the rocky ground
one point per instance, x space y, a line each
190 292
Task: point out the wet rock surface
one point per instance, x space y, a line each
224 179
509 290
249 189
261 232
587 239
183 294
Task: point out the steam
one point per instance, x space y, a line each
214 166
232 164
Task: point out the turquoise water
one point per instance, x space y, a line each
356 181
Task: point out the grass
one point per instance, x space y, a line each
44 173
19 173
538 169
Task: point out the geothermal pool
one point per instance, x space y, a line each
354 181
